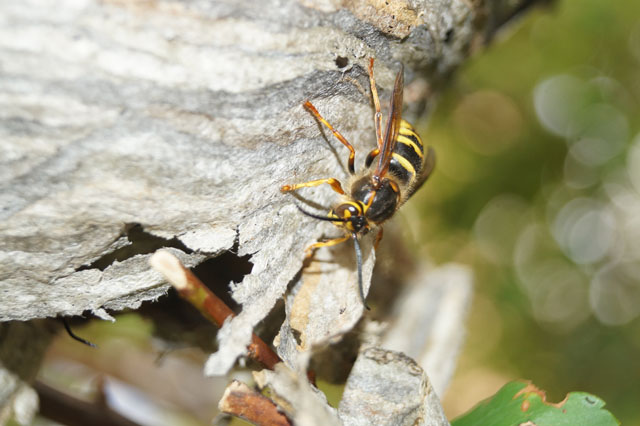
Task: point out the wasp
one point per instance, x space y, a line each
374 194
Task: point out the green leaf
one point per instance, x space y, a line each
521 403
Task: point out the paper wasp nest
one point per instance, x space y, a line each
177 122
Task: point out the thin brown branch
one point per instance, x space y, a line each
194 291
241 401
70 411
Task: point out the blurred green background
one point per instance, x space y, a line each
538 188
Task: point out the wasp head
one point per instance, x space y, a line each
350 215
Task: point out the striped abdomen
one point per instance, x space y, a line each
408 156
405 167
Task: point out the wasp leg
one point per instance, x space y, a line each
335 184
352 151
376 103
74 336
376 243
309 250
373 154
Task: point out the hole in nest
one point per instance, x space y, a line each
342 62
140 242
448 35
334 362
179 322
297 335
270 326
219 272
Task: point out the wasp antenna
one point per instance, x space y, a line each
74 336
315 216
356 244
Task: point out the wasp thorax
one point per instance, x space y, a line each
351 216
381 200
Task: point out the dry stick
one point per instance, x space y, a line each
191 289
241 401
65 409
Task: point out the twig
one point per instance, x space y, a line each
241 401
65 409
191 289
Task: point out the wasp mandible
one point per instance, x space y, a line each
375 193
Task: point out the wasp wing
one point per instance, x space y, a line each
393 127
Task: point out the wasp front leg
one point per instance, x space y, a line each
371 156
352 152
308 252
335 185
376 104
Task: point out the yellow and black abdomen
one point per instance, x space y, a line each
408 156
405 171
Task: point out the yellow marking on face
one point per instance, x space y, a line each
347 214
405 163
333 215
358 206
405 140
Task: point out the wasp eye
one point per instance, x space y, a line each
346 211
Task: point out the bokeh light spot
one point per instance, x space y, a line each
577 174
489 121
585 230
602 132
497 227
615 293
556 103
633 163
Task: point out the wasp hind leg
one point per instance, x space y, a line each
335 185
